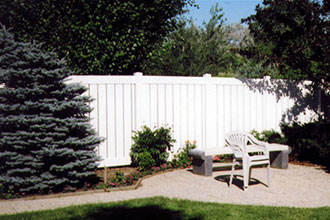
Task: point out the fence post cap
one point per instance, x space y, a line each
207 75
138 74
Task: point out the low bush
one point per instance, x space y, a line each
269 136
309 141
150 148
182 158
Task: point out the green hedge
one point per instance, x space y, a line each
309 142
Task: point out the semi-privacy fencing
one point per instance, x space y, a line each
200 109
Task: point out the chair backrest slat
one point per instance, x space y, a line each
237 141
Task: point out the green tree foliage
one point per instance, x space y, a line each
194 51
46 141
94 36
295 36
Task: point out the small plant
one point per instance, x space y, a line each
223 158
129 180
182 159
150 148
86 186
69 189
118 178
9 194
164 166
101 186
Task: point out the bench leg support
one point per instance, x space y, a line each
279 159
202 166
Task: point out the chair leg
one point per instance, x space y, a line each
232 172
268 174
246 171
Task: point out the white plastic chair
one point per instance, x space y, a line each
240 142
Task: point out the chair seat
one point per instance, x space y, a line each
259 158
255 158
260 162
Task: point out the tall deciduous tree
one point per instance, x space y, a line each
239 36
95 36
46 141
295 36
193 50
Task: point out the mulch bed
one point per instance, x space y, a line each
111 171
102 174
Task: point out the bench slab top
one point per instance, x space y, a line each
227 150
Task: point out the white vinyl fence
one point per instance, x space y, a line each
196 108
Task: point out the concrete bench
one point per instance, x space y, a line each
202 158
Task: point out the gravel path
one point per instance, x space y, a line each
297 186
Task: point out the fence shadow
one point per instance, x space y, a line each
299 91
146 212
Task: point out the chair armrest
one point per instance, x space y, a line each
259 144
264 148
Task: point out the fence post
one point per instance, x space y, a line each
138 100
265 120
207 102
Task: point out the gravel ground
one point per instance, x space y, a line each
297 186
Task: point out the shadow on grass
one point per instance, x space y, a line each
145 212
238 180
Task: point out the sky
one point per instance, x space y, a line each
233 10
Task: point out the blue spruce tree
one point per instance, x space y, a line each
46 140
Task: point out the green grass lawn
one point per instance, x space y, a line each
158 208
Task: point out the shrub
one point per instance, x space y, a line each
269 136
309 141
150 147
182 159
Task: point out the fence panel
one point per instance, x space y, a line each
196 108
